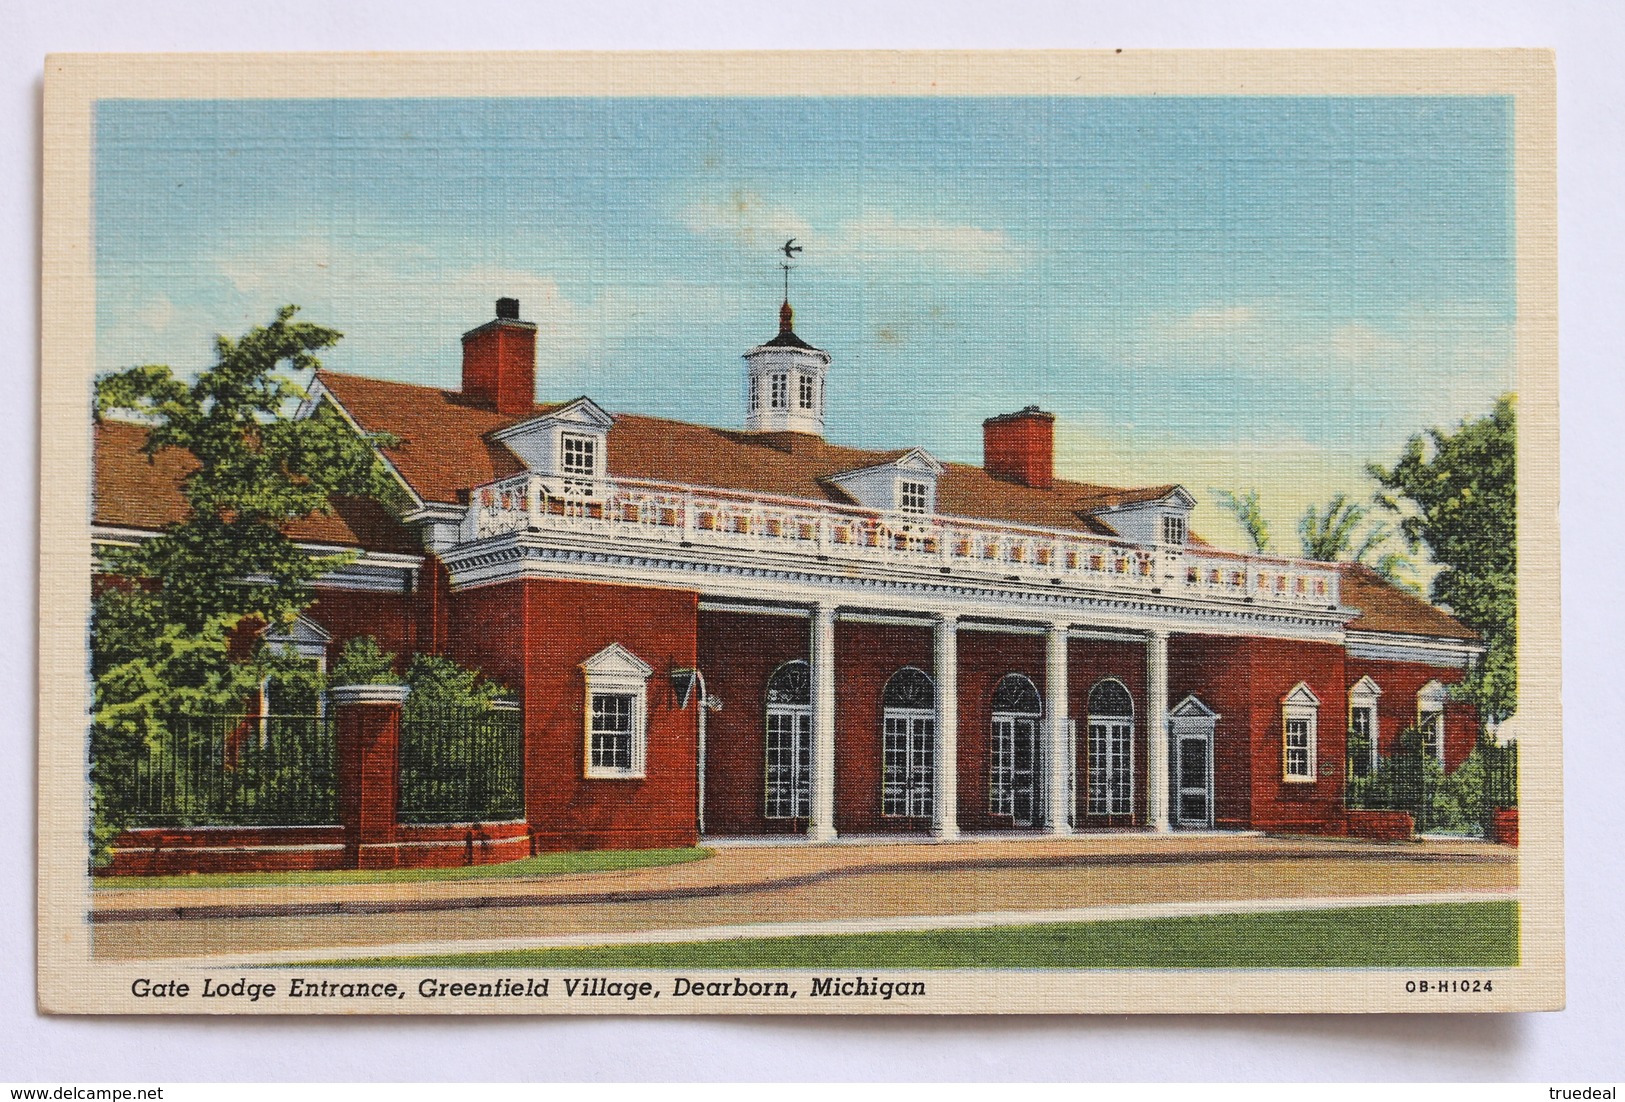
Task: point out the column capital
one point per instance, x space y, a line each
1159 634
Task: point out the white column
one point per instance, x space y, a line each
945 805
1156 730
1057 819
822 653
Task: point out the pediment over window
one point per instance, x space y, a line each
906 484
1163 519
615 661
1192 708
539 442
1364 691
304 637
1301 695
1433 693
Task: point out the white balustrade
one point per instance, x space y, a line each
692 515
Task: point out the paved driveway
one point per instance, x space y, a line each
797 883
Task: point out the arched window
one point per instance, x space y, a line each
1363 728
1014 780
1111 749
1430 719
908 744
789 742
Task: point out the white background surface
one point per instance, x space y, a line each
1580 1044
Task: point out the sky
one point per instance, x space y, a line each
1223 293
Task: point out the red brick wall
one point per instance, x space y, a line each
1396 708
1216 670
1275 667
390 618
866 656
738 652
533 635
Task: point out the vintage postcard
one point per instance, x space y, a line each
800 533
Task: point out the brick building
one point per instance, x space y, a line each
753 631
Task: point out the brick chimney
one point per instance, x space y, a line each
499 361
1020 447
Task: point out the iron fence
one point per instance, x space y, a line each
1459 802
461 765
238 770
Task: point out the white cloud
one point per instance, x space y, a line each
746 219
879 236
876 238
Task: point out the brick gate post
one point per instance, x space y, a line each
367 759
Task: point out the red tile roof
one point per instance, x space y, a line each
1388 609
134 491
444 450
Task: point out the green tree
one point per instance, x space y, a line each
1245 508
166 631
1329 536
1456 494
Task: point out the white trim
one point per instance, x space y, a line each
319 393
1365 695
614 672
1431 699
1300 704
1431 650
758 575
369 694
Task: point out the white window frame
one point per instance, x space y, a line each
779 390
1111 756
1364 695
1173 529
912 794
806 398
913 496
1300 706
580 480
755 392
1430 701
794 721
616 671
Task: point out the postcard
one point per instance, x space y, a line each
877 533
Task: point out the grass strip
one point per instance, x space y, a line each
1432 935
546 864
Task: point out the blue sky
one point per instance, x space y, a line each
1218 292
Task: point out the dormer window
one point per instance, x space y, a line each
806 391
569 446
1155 517
907 484
579 463
781 391
1173 529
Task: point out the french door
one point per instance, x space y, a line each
909 753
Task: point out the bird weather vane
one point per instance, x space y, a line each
789 249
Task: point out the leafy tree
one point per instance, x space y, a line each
362 662
167 633
1245 508
1456 494
1328 536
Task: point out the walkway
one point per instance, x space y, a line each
755 885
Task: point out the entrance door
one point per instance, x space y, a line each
1191 726
1194 770
1025 771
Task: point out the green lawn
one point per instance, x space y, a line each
547 864
1443 935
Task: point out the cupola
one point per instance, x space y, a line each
784 382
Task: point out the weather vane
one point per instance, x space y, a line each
789 249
